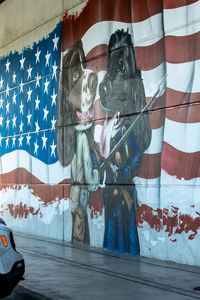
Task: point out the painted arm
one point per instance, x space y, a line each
132 166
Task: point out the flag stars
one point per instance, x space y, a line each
7 123
7 90
7 107
7 143
1 120
1 83
1 102
13 141
20 140
37 80
53 123
29 72
37 128
8 66
46 84
55 42
55 67
37 55
21 127
22 60
36 147
29 118
37 102
14 121
28 138
53 97
44 141
47 57
14 77
45 113
14 98
21 108
21 86
53 148
29 94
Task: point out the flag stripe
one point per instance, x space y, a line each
151 166
189 113
48 174
186 72
171 4
125 11
147 58
182 20
151 28
184 137
182 49
180 164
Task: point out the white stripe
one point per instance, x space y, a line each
182 21
156 141
183 137
184 77
152 80
180 193
148 191
49 174
26 198
143 33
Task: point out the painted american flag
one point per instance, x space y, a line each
166 41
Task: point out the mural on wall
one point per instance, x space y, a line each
99 127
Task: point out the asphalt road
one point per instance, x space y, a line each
54 271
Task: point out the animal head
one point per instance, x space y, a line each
81 83
121 89
76 96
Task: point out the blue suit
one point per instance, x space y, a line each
120 223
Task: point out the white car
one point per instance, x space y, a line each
11 261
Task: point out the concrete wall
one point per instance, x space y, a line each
67 122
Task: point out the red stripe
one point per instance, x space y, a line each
97 58
181 49
96 203
183 107
156 111
147 58
180 164
47 194
169 4
150 57
151 166
144 9
170 220
74 27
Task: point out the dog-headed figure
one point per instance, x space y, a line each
75 135
122 97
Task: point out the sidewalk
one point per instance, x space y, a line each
67 272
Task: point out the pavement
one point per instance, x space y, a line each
57 271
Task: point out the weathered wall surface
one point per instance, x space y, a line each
99 123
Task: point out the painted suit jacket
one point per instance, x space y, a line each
130 158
